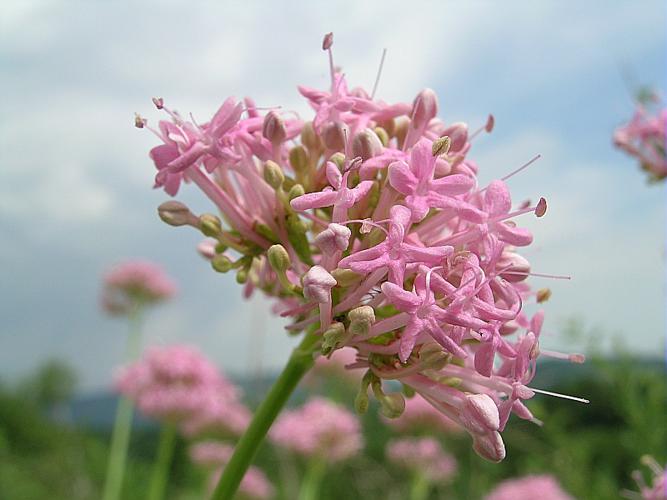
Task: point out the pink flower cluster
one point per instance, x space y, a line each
135 283
177 383
368 226
657 489
319 428
214 455
544 487
645 138
420 416
424 456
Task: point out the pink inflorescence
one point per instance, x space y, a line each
657 489
132 284
319 428
423 456
177 383
544 487
368 227
645 138
421 416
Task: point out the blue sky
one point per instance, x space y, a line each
75 181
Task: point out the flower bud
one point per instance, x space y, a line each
273 128
345 277
309 137
361 320
392 405
273 174
295 191
361 401
176 213
424 108
366 144
382 135
489 446
298 158
210 225
338 159
333 136
221 263
458 133
441 146
278 258
317 284
334 238
333 338
479 413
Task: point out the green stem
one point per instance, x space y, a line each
299 363
419 487
165 452
120 437
311 482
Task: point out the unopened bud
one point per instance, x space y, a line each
361 402
278 258
221 263
273 128
335 238
392 405
309 137
338 159
543 294
176 213
361 320
479 413
298 158
295 191
317 284
424 108
333 338
327 42
242 276
382 135
441 146
345 277
333 136
159 102
210 225
139 122
366 144
489 446
273 174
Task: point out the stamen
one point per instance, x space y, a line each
368 222
572 358
522 167
488 127
556 394
539 275
379 73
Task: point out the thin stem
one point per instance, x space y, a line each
120 437
311 482
297 366
419 487
165 451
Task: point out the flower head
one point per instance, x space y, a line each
528 488
133 284
423 456
369 228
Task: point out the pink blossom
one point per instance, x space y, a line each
368 227
254 485
423 456
319 428
657 488
529 488
133 284
211 454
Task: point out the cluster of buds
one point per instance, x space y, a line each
179 385
528 488
320 429
645 137
213 456
368 227
131 285
422 456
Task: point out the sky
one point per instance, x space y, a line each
76 183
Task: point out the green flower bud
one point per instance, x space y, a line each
279 258
273 174
210 225
221 263
296 191
298 158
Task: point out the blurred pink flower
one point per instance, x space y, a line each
544 487
319 428
135 283
254 485
657 489
423 456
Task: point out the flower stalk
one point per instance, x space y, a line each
165 452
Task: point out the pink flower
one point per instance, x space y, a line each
254 485
645 138
211 454
368 227
319 428
177 383
529 488
423 456
133 284
657 489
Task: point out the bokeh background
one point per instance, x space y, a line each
76 183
